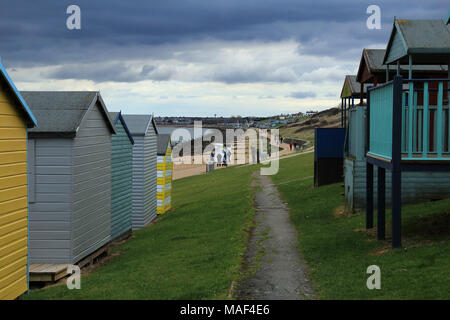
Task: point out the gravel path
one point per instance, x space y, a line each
275 268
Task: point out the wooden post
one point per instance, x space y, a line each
369 171
345 108
369 195
398 67
448 103
410 118
361 94
387 72
381 220
396 188
342 112
426 120
367 118
440 119
410 67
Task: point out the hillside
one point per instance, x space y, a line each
304 128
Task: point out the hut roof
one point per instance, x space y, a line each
352 88
116 117
32 122
372 59
61 112
428 40
139 123
163 142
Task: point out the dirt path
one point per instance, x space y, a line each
275 268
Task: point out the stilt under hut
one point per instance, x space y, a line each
407 118
165 172
15 120
144 131
70 178
121 178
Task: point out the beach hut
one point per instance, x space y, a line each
328 155
144 131
15 119
69 163
407 119
164 172
373 71
351 90
121 178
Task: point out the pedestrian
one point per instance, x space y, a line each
219 160
225 157
211 156
290 146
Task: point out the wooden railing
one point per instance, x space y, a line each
425 119
380 120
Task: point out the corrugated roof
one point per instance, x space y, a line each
163 142
61 112
139 123
32 122
422 37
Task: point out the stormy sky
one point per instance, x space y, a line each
198 57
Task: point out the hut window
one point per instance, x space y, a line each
31 165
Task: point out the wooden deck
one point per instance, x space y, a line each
47 272
54 272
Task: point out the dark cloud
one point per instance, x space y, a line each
34 33
103 72
302 94
249 75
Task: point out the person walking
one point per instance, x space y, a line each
219 160
290 146
225 157
211 156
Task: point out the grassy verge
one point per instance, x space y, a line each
193 252
339 250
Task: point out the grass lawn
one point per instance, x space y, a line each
339 250
193 252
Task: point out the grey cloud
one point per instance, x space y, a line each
103 72
302 94
35 32
146 69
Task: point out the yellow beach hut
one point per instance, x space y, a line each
15 118
164 173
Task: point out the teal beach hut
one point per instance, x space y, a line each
121 178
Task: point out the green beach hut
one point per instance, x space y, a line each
121 178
